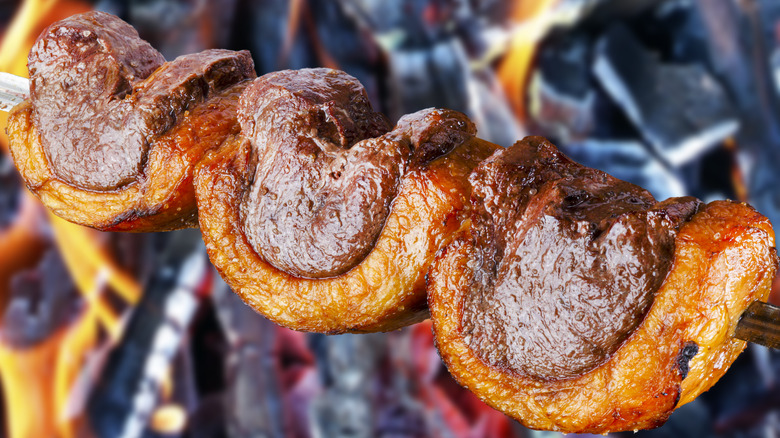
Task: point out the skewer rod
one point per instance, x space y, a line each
13 90
760 324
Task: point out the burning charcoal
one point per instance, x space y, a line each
253 397
737 37
185 392
675 31
349 365
612 10
711 176
339 40
427 62
562 93
7 10
198 374
177 27
342 416
137 253
414 23
10 191
402 418
763 187
402 412
770 15
428 76
564 62
691 420
681 110
127 392
207 347
490 110
24 237
775 65
428 45
266 33
208 420
741 404
42 301
487 102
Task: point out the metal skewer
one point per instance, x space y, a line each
759 323
13 90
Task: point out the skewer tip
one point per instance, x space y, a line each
760 324
13 90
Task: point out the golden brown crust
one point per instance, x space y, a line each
385 291
162 199
724 259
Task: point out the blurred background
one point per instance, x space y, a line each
679 96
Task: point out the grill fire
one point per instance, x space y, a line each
134 335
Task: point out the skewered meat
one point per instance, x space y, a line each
560 295
321 192
112 131
575 302
323 218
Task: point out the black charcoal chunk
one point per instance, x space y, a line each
42 301
10 192
680 110
562 94
253 394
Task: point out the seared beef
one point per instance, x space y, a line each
570 260
321 192
101 95
328 169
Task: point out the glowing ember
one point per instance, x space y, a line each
169 419
532 21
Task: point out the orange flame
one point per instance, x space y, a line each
514 70
38 382
169 419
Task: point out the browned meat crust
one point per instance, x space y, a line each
111 133
724 258
385 290
163 199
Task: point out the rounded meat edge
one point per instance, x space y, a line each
162 199
724 259
385 291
